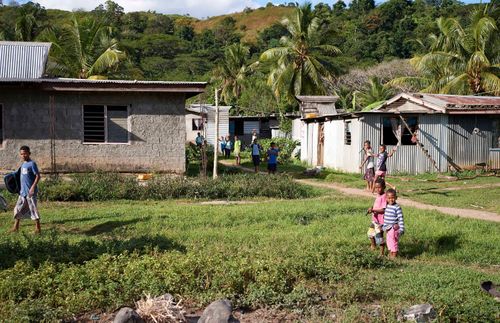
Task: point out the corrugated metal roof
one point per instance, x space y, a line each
23 59
463 101
97 82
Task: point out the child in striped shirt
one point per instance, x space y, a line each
393 223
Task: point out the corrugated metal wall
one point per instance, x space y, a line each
223 124
23 60
466 147
494 160
410 159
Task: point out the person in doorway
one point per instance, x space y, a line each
199 140
227 149
272 158
375 232
26 205
381 164
256 149
254 135
370 166
393 223
222 145
237 150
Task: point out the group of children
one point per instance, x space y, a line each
387 215
271 154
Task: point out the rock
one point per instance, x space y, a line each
218 312
420 313
127 315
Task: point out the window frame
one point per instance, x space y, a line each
193 124
347 129
128 106
401 125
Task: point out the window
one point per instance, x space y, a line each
393 130
347 133
105 124
1 125
496 134
197 124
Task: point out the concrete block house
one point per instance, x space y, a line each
77 125
432 133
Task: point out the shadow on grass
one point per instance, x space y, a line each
53 248
109 226
84 219
438 246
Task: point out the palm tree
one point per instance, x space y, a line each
460 60
231 73
296 66
83 49
375 94
28 22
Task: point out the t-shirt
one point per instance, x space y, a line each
255 149
273 155
369 154
29 170
199 140
379 204
393 215
228 144
382 158
237 146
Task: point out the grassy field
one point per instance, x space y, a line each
309 256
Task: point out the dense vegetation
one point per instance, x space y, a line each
309 52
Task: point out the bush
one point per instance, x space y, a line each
102 186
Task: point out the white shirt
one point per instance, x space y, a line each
370 163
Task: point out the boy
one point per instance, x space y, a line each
393 223
26 203
256 148
272 159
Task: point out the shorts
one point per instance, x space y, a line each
381 173
393 240
256 160
26 208
272 167
369 174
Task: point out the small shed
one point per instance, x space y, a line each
432 132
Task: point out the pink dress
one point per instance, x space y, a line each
380 203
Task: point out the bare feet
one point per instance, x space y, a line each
13 230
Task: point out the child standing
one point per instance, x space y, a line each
237 150
375 232
256 148
393 223
272 159
227 149
222 146
26 206
381 163
370 166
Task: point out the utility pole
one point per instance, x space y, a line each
216 148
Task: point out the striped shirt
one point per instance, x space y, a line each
393 215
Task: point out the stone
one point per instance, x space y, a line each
420 313
218 312
127 315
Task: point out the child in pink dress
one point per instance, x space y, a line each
375 232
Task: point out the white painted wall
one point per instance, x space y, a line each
191 134
338 155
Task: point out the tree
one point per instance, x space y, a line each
461 60
83 49
296 67
232 72
29 21
374 94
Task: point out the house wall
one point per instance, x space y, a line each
467 148
223 124
408 158
338 155
156 124
309 144
192 134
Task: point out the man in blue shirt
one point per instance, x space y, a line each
272 159
26 203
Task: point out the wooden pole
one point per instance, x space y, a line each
216 148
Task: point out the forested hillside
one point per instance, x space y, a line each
109 43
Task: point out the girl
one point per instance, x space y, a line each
394 225
227 149
375 232
222 145
381 164
370 166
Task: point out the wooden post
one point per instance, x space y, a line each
216 148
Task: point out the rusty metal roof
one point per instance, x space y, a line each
462 101
23 59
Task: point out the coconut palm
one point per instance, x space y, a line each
461 60
296 65
28 22
83 49
375 94
232 71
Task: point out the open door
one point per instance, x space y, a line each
321 144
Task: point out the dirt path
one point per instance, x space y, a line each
463 213
455 188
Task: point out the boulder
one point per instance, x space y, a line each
127 315
420 313
218 312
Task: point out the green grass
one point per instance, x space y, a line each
306 255
295 168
